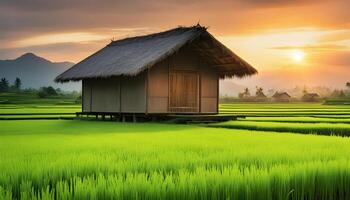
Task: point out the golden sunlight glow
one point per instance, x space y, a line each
298 55
275 48
75 37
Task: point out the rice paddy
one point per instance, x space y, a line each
258 157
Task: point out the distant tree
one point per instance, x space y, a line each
4 85
59 91
259 92
17 84
305 90
341 94
78 99
338 94
348 84
47 92
244 94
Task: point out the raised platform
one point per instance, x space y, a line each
170 118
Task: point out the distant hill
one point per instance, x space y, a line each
36 72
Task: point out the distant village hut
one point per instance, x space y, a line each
176 71
260 97
281 97
310 97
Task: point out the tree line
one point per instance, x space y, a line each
43 92
5 86
260 95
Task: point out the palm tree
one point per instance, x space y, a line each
18 84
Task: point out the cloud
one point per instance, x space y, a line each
31 23
281 3
71 46
69 51
336 36
321 47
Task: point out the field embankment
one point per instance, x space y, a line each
22 106
306 128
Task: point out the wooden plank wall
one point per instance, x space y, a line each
103 95
158 88
184 60
209 92
133 91
86 96
184 92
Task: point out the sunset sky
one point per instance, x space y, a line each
290 42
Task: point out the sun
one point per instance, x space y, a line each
298 55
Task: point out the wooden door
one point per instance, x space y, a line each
184 92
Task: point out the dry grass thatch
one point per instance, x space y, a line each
131 56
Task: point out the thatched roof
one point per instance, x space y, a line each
131 56
311 95
281 95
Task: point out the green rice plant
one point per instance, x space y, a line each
332 116
298 119
315 128
106 160
284 110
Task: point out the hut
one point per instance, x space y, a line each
175 71
310 97
260 97
281 97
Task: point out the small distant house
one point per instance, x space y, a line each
281 97
260 97
176 71
310 97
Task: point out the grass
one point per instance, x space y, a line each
106 160
285 110
32 98
245 159
299 119
29 106
315 128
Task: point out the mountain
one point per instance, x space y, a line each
36 72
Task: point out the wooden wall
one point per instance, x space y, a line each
133 92
209 90
158 90
86 96
103 95
184 60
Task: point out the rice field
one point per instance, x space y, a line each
293 117
275 154
285 110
